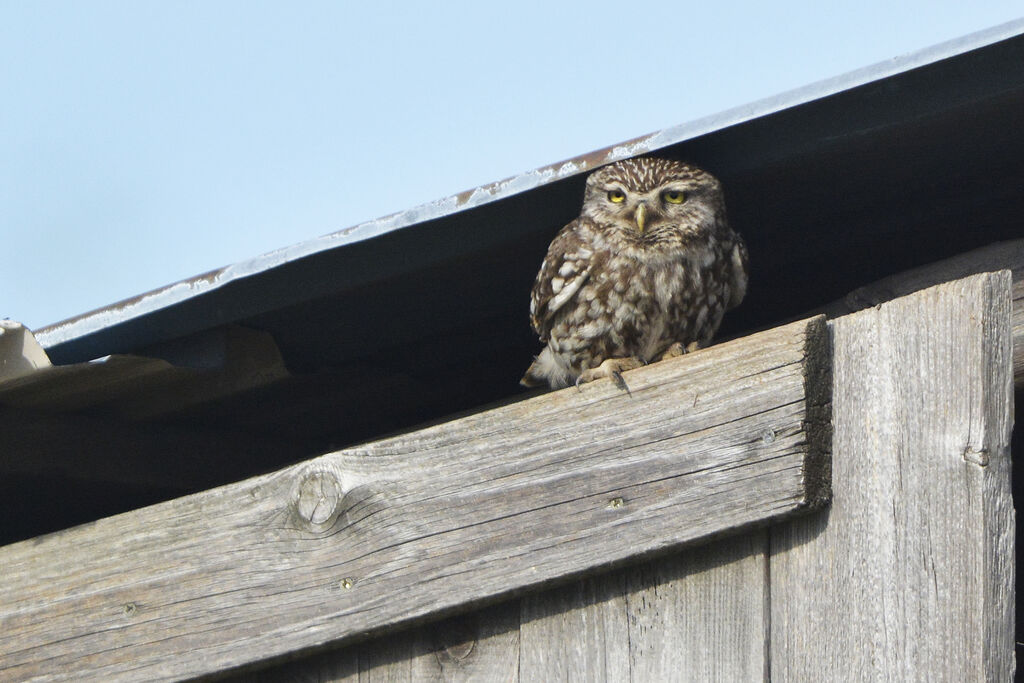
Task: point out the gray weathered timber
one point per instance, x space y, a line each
699 615
482 645
577 632
909 575
1018 332
427 523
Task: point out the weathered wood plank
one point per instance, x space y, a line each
426 523
483 645
203 368
582 631
699 615
577 632
909 575
1018 332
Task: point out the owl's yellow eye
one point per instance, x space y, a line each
616 196
674 196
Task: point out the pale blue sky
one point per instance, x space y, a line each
146 142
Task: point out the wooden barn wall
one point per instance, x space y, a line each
909 574
419 525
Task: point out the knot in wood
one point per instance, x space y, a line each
320 495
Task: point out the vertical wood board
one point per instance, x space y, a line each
909 575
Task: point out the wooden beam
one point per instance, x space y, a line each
429 523
910 573
1017 324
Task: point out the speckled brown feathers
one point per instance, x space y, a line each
647 270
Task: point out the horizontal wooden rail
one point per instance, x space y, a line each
431 522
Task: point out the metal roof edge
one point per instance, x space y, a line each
129 309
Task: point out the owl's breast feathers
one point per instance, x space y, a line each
582 258
597 297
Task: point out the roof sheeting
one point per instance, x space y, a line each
138 321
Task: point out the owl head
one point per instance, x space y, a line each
646 195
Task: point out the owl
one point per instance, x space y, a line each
644 273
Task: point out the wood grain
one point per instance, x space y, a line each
1018 332
482 645
577 632
698 615
910 573
703 615
424 524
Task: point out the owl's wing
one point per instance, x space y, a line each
738 264
564 270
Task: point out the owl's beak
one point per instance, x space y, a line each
641 216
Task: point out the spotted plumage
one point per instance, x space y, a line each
646 271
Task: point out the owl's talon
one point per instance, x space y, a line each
612 368
677 349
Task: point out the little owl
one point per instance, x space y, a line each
645 272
